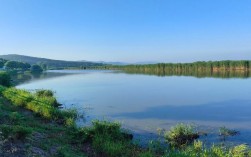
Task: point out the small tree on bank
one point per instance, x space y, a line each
36 69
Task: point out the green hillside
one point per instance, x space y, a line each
49 62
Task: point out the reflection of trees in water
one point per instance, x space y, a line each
19 78
198 74
219 69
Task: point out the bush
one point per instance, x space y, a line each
44 93
70 122
81 135
181 135
43 105
47 96
5 79
106 137
36 69
108 146
108 129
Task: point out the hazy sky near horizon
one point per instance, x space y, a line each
127 30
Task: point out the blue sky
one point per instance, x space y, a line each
127 30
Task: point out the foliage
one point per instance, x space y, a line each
49 62
106 137
17 65
2 62
181 135
15 117
43 65
36 69
21 132
5 79
41 104
44 93
47 96
199 150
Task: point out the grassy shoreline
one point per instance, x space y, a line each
32 124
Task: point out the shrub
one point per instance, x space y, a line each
2 88
81 135
108 129
107 138
44 93
181 135
155 146
240 151
36 69
70 122
5 79
43 105
110 147
47 96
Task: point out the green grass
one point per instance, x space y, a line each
15 131
199 150
18 126
42 103
181 135
106 138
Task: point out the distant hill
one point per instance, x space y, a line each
49 62
112 63
125 63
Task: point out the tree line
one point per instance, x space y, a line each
196 66
16 65
223 69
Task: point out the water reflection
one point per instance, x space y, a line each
144 103
197 74
25 77
225 111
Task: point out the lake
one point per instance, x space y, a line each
143 103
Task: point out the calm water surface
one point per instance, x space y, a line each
143 103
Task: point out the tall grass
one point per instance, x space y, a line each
181 135
108 139
44 105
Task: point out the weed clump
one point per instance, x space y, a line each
225 132
43 103
44 93
106 138
181 135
